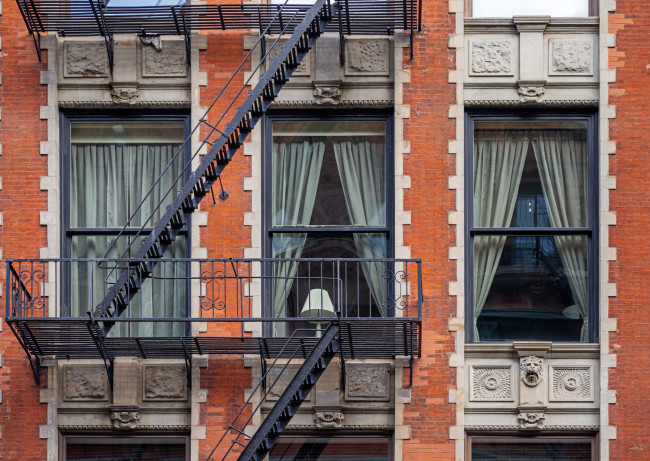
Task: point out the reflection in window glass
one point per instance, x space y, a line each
509 8
329 176
122 448
534 286
531 450
112 167
340 448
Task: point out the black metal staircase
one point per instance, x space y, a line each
222 149
295 393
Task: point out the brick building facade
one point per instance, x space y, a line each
482 264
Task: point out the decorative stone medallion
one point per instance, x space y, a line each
85 59
491 58
125 94
169 61
327 95
328 419
165 383
491 383
571 57
571 384
367 57
365 381
531 371
84 383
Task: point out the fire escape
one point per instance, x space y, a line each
37 300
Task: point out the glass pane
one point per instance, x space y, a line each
321 288
162 296
340 448
121 448
113 166
509 8
329 174
532 450
532 174
531 288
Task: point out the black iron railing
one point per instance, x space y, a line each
223 290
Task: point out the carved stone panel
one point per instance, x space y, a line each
165 383
304 69
367 382
571 384
169 61
571 57
85 59
491 58
491 384
84 383
283 380
367 57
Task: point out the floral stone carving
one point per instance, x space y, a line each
367 382
125 417
492 57
84 383
531 371
85 59
571 384
329 419
491 383
165 383
572 56
367 57
531 93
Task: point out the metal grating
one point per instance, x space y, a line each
72 339
92 18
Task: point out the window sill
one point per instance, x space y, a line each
508 25
549 350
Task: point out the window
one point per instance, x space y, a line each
339 448
532 256
110 165
532 449
509 8
135 448
330 196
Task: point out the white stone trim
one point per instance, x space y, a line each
457 218
607 218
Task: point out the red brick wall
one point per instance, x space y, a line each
631 202
21 235
430 236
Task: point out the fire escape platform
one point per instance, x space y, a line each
76 338
90 18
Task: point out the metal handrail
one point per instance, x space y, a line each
226 288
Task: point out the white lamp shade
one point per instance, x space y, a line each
318 304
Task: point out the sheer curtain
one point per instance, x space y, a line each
360 163
296 169
108 181
562 161
499 158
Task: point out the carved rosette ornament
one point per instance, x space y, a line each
571 384
125 417
329 419
491 384
125 94
531 420
531 371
